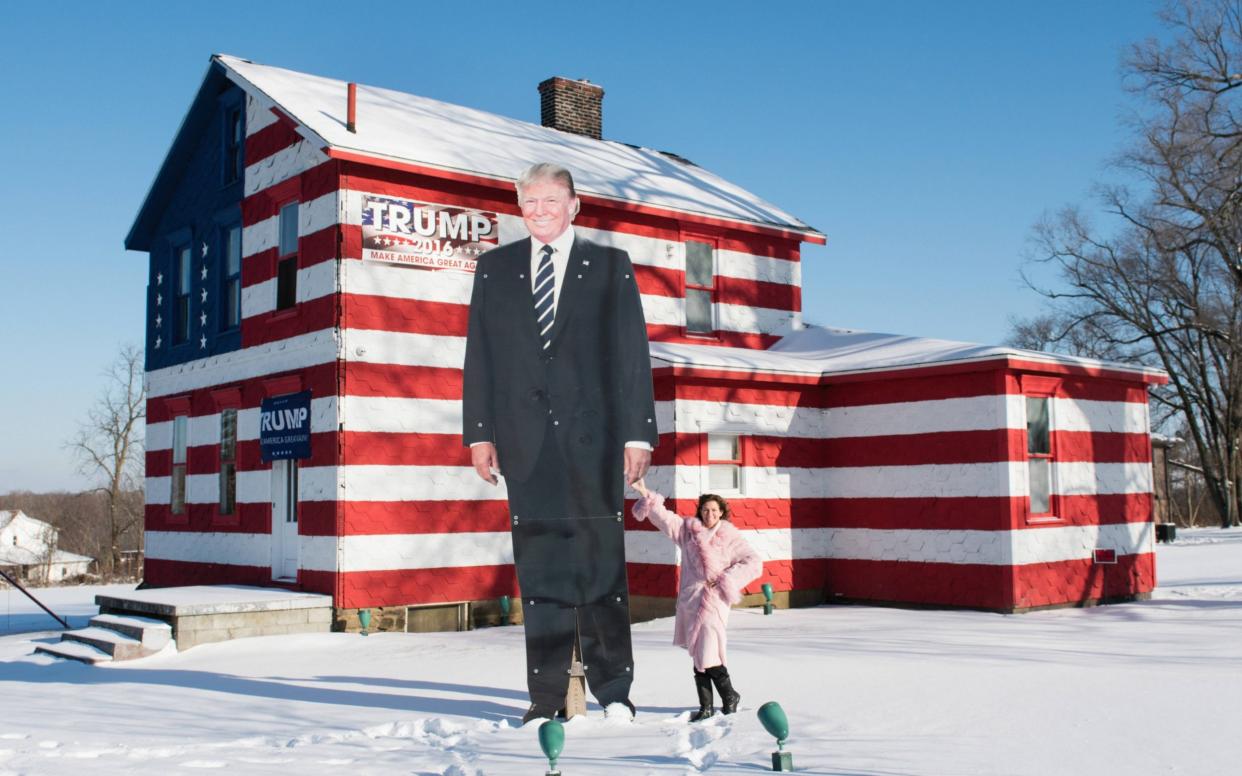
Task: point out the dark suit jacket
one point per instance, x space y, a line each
594 381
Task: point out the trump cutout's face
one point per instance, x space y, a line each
548 209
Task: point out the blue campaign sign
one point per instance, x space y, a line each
284 427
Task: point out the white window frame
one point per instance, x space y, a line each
712 290
730 429
179 423
1051 515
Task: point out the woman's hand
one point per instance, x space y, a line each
648 501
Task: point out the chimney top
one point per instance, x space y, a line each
572 106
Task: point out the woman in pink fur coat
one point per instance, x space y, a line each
716 564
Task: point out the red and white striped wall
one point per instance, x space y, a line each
904 490
915 490
381 348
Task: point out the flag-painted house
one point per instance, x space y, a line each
311 247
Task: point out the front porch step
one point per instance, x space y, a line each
75 650
117 645
203 614
154 634
111 637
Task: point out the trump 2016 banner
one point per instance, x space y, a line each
420 234
284 427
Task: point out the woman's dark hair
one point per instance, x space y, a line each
725 514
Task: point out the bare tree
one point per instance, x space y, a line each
109 447
46 541
1164 286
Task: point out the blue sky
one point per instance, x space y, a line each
923 138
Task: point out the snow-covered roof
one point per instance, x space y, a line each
24 556
821 351
10 515
405 127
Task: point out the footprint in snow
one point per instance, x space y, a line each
267 760
436 732
92 754
694 742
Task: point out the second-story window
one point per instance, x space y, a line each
700 287
228 461
181 299
234 145
287 260
176 500
231 293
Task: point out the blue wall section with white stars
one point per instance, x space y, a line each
201 209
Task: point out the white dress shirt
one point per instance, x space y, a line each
560 260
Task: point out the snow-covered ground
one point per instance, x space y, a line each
1145 688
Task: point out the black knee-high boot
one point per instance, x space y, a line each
729 697
703 683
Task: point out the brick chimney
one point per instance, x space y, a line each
572 106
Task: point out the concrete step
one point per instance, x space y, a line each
116 645
154 634
200 614
74 650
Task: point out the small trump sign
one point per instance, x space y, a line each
284 427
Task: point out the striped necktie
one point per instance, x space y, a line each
545 296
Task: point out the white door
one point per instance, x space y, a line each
285 520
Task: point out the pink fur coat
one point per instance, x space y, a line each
719 556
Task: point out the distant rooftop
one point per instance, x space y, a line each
821 351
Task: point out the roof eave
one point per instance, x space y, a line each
787 231
142 230
1101 369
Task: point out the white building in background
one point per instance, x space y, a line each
28 550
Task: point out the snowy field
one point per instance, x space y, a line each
1152 687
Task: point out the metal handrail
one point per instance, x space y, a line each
29 595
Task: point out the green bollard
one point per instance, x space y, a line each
364 618
773 718
767 594
505 606
552 742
